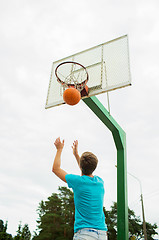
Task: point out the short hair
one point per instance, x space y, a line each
88 163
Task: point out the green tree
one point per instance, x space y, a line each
23 233
26 234
56 219
19 232
111 221
151 230
3 231
56 216
68 210
135 225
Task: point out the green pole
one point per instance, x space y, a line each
120 142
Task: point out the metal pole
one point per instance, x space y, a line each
120 142
142 205
143 215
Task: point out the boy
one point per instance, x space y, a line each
88 194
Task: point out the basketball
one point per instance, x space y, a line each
71 96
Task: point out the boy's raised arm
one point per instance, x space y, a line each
75 151
56 168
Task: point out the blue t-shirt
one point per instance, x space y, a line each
88 199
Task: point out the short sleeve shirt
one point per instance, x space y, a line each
88 199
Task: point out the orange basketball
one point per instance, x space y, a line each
71 96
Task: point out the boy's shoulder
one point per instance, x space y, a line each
72 180
78 178
72 177
98 179
75 181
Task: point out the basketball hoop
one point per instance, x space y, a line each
72 74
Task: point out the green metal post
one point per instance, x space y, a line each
120 142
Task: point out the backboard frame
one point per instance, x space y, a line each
105 67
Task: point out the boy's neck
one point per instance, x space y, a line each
88 175
91 176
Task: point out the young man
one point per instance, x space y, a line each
88 194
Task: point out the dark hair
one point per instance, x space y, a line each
88 163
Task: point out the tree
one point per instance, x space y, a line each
19 232
56 216
68 210
56 219
151 230
26 234
3 231
111 221
23 233
135 225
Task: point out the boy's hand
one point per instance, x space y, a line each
75 151
75 147
56 168
58 144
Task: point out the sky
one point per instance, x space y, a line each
33 34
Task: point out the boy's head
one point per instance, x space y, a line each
88 163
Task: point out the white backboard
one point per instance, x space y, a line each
107 65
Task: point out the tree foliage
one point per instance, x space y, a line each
56 219
3 231
135 225
23 233
56 216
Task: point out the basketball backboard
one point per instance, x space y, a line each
107 65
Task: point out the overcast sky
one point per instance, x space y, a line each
35 33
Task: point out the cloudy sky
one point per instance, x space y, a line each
33 34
